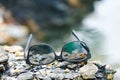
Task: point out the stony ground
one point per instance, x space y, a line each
14 67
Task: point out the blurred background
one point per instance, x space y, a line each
52 21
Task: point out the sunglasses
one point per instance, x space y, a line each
42 54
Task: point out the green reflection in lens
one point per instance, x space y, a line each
74 51
70 47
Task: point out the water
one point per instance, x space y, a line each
106 19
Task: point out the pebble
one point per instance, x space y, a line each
52 75
8 78
3 55
110 76
16 67
2 68
66 71
3 58
88 71
13 48
25 76
68 76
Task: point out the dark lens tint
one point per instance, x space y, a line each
74 51
41 54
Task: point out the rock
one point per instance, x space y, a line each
68 76
25 76
17 69
42 72
12 33
72 66
60 76
8 78
14 52
41 15
2 68
3 58
110 77
52 75
13 48
66 71
88 71
61 64
104 72
3 55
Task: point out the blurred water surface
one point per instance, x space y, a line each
106 19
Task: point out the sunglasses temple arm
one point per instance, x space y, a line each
81 42
74 33
27 45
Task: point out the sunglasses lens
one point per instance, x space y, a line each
74 52
41 54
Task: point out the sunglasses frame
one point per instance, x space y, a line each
53 50
27 59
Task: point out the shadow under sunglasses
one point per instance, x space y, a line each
42 54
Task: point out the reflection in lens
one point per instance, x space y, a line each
41 59
35 59
74 51
41 54
77 56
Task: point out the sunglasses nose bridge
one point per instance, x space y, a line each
58 58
